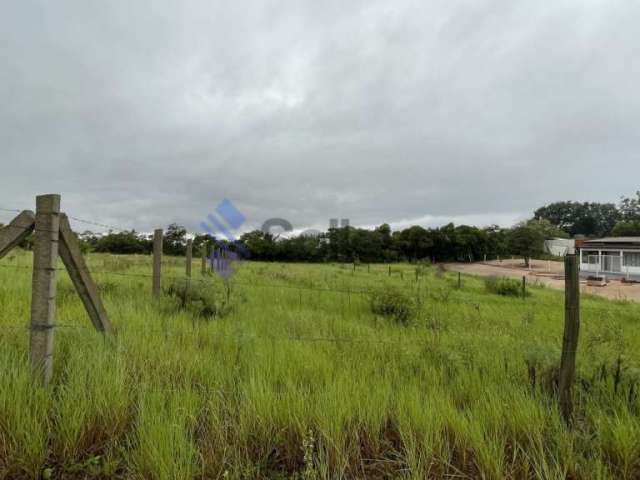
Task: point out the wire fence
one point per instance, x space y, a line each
357 290
93 223
427 296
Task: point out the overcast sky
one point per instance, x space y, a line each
146 113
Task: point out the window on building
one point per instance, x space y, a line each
590 257
632 259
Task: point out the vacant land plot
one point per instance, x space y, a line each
547 273
315 372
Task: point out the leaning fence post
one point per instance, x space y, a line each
157 262
189 256
43 289
570 338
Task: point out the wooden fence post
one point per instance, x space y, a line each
203 265
389 270
189 256
43 289
157 262
524 286
570 338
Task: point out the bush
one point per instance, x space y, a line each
392 302
503 286
201 298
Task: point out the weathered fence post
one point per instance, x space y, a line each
43 290
570 338
189 256
389 270
157 262
203 265
71 255
524 286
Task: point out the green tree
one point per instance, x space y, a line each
630 208
527 241
629 228
591 219
415 242
261 245
125 242
175 240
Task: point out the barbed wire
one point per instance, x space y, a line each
429 296
98 224
79 220
240 337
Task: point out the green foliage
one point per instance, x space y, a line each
630 208
507 287
174 240
527 240
127 242
627 228
392 302
590 219
202 298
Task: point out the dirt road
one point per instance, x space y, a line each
545 272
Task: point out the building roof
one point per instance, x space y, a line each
623 243
615 240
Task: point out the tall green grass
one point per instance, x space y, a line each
310 383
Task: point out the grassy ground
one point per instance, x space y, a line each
302 380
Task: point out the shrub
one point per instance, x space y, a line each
202 298
392 302
503 286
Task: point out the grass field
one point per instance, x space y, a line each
301 380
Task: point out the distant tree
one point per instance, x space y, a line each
470 243
546 228
497 241
415 242
126 242
203 242
630 208
629 228
527 241
261 245
175 240
590 219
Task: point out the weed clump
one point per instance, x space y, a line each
201 298
503 286
392 302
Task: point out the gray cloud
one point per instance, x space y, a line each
145 113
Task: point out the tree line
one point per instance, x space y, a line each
346 244
381 244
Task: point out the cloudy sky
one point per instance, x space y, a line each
145 113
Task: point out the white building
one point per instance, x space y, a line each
613 257
559 247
